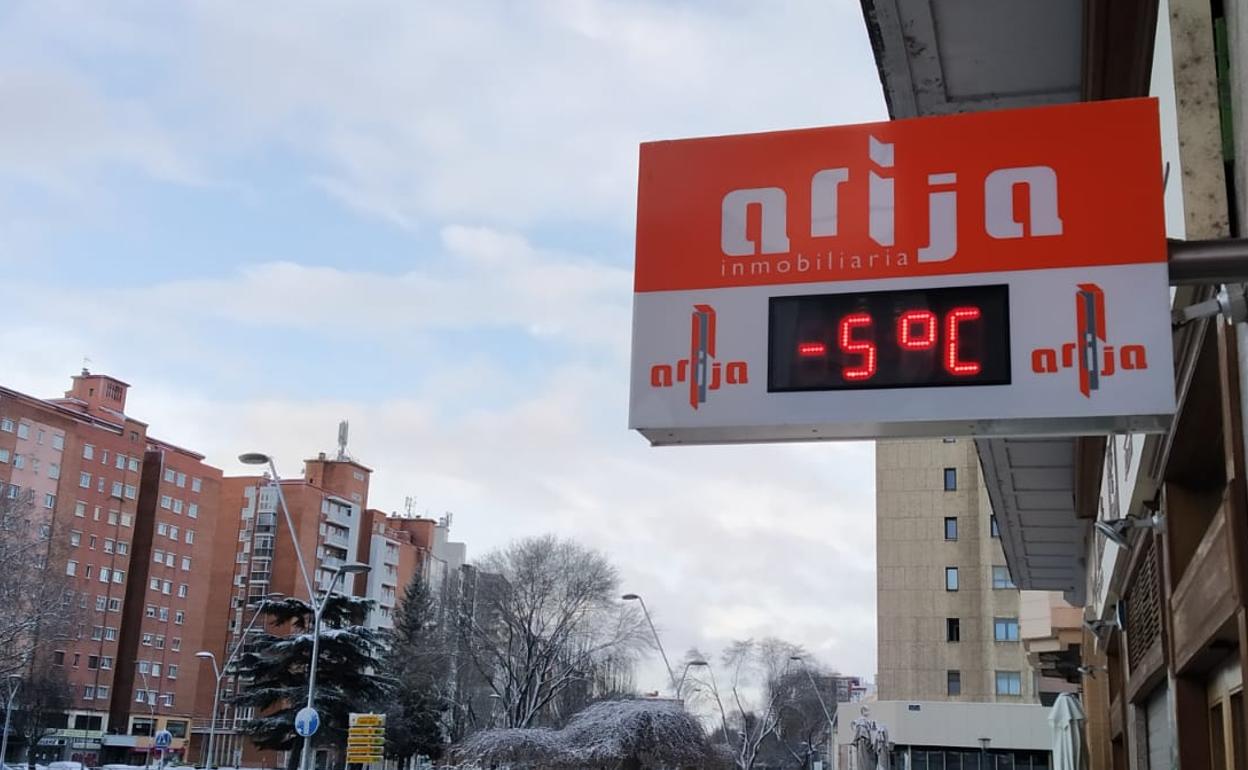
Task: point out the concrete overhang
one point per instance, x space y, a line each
937 57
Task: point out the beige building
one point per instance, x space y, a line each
948 613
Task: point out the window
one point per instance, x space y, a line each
175 644
101 692
166 587
162 529
192 510
131 491
147 640
158 556
58 658
166 502
4 455
155 668
58 441
164 614
116 488
140 696
54 471
169 475
71 567
112 517
125 519
114 605
123 548
953 629
160 642
105 574
6 425
169 557
133 464
179 617
951 528
1001 577
1009 683
953 682
151 610
110 634
93 662
101 603
181 481
196 484
190 536
173 533
97 633
106 662
186 564
1005 629
154 584
182 589
145 667
88 571
19 461
88 692
120 463
75 538
23 430
168 699
91 541
84 480
993 529
109 545
49 501
172 672
177 506
951 479
118 576
39 437
951 578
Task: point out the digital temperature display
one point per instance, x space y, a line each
890 339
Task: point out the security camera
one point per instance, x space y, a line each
1115 530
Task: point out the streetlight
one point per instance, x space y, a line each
671 677
259 458
220 672
13 682
354 568
681 687
827 715
149 697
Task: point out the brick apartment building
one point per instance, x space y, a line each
166 557
97 481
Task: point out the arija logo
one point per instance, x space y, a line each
1095 358
769 206
700 370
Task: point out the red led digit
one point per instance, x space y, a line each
924 321
811 349
865 370
953 321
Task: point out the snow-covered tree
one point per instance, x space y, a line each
42 700
624 734
278 669
418 662
549 618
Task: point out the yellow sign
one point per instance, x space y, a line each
368 720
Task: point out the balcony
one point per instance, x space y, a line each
338 537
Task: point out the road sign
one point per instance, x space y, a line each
307 721
164 739
366 738
995 273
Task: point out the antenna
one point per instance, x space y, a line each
409 506
343 428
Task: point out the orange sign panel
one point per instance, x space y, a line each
1067 186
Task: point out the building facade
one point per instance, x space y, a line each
948 612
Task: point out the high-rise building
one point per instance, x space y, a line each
948 612
96 485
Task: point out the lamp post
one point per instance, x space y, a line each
680 688
259 458
149 697
826 714
671 677
318 608
13 682
219 673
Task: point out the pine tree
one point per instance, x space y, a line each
418 661
278 669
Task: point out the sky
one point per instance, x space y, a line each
418 216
